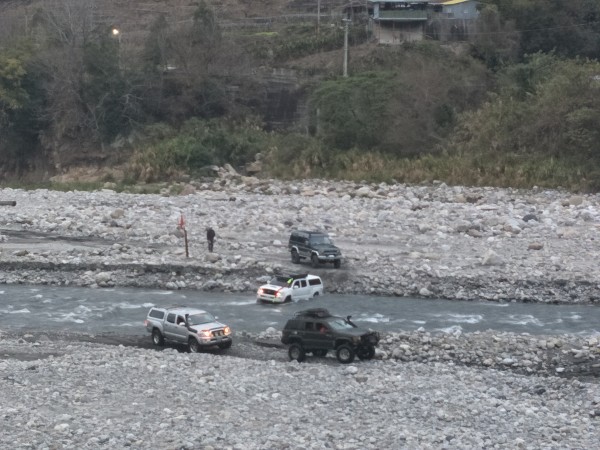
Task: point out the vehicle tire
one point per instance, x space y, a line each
366 352
337 264
295 257
321 353
194 345
157 338
225 345
314 261
316 294
296 352
344 354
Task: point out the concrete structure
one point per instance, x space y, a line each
397 21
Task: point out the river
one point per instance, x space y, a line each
122 311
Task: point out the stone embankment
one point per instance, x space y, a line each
426 241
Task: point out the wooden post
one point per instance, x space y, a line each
187 252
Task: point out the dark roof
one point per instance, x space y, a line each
313 312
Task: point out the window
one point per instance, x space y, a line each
315 282
303 283
309 326
197 319
171 318
157 314
320 239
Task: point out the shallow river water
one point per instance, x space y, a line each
123 311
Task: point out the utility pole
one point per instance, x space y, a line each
318 16
346 24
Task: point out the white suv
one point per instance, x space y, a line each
288 288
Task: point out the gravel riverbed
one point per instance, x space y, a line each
76 394
423 390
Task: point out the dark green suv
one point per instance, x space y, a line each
316 331
314 246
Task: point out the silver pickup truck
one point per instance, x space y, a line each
191 326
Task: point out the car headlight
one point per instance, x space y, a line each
356 339
227 330
204 333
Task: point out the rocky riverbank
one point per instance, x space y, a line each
428 241
422 391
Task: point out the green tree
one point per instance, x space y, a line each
568 27
407 107
12 94
20 101
547 106
495 41
104 88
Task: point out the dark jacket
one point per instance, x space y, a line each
210 234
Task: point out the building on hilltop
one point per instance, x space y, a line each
397 21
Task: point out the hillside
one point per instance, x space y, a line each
169 89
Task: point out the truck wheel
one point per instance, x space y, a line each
225 345
320 352
157 338
337 264
194 346
366 352
295 257
345 354
315 261
288 299
296 352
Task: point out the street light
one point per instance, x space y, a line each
116 33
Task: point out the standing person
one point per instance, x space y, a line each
210 237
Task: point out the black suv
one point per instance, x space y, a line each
316 331
315 246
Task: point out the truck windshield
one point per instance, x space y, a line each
340 324
280 281
198 319
316 240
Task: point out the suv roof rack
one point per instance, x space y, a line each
313 312
293 276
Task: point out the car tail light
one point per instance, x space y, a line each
146 322
260 291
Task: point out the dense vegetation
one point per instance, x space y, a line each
517 105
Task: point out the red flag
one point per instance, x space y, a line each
181 223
